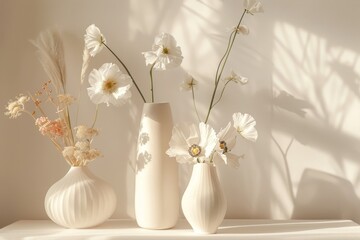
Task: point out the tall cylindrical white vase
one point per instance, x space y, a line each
80 199
157 200
204 203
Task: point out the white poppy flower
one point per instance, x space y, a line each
188 83
191 145
236 78
227 141
109 85
165 53
245 126
253 6
94 40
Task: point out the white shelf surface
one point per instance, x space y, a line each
229 229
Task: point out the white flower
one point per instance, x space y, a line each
93 154
191 145
242 29
188 83
227 141
165 53
236 78
253 6
15 108
85 133
83 145
245 126
94 40
109 85
68 153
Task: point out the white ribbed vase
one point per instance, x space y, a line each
80 200
204 203
157 198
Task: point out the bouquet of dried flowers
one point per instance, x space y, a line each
108 85
201 144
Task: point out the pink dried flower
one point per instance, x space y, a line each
53 129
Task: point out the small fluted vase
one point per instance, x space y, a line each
157 198
204 203
80 200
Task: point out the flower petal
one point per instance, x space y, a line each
179 144
245 126
109 85
165 54
94 40
208 139
228 134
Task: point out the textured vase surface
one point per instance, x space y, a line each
204 203
157 200
80 200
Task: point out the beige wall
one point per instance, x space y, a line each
302 61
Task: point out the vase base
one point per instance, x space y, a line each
201 232
156 227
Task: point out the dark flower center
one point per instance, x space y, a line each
223 147
194 150
165 50
109 86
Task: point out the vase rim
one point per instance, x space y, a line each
204 163
156 103
78 166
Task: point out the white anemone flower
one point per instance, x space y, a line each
109 85
94 40
165 53
236 78
188 83
253 6
227 141
192 144
245 126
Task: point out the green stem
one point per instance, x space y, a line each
222 64
222 59
194 102
222 92
152 82
128 72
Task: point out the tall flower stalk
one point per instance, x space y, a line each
95 41
190 144
165 54
221 66
127 70
250 7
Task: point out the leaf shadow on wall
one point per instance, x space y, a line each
143 156
292 104
298 108
346 72
333 196
320 68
